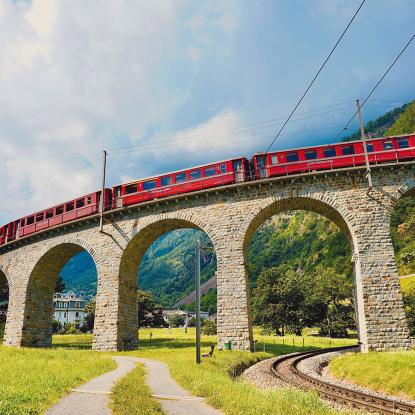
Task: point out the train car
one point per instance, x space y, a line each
74 209
220 173
333 156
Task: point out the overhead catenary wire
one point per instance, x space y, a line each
316 75
378 83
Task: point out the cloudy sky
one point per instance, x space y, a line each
167 84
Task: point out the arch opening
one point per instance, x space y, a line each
4 301
299 261
160 259
51 305
402 230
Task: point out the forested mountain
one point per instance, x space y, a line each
296 241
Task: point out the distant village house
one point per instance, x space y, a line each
69 309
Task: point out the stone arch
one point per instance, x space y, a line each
273 206
143 237
326 208
37 319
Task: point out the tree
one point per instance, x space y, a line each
4 300
409 303
405 124
89 318
209 328
60 285
278 300
177 320
150 314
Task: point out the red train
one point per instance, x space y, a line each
221 173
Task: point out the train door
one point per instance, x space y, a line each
262 166
238 170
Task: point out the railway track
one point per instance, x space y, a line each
286 369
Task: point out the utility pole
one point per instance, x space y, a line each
102 207
197 301
363 136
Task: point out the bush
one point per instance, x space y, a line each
70 328
209 328
56 326
177 320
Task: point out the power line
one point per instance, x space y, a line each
316 75
378 83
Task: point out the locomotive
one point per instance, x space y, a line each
218 174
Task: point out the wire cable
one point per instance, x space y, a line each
378 83
316 75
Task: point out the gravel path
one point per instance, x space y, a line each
92 398
173 398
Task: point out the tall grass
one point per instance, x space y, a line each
33 379
389 372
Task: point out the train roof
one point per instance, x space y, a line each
179 171
333 144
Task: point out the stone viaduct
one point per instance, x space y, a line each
230 216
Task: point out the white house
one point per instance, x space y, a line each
68 309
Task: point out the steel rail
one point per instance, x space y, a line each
336 393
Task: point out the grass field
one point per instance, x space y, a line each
213 379
393 373
407 284
38 377
32 379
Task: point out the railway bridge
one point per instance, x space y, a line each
229 215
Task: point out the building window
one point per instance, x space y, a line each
64 315
403 143
311 155
76 314
387 145
370 148
347 150
195 174
291 157
329 152
131 188
149 185
180 178
77 305
166 181
210 171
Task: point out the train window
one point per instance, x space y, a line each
22 223
370 148
403 143
291 157
310 155
89 200
80 203
387 145
223 168
195 174
151 184
329 152
274 159
346 150
166 181
210 171
70 206
180 178
49 214
131 188
59 210
31 220
39 217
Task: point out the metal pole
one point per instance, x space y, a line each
197 301
102 207
363 136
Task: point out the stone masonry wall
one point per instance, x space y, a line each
229 216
